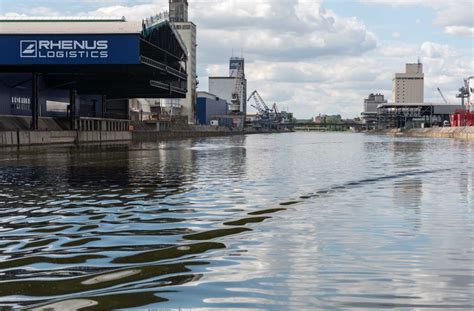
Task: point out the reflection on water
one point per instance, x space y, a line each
290 221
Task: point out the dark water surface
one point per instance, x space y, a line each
290 221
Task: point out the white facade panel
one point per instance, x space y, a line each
223 87
187 31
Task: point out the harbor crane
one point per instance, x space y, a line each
236 99
465 92
442 96
262 109
269 117
260 104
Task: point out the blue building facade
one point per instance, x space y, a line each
81 68
16 98
210 107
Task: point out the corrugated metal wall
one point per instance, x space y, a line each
208 109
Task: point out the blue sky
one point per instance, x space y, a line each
313 56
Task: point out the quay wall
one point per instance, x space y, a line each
462 133
29 138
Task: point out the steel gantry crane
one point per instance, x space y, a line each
442 96
236 100
269 118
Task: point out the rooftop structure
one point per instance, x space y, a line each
234 64
178 11
61 19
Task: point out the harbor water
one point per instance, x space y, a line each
294 221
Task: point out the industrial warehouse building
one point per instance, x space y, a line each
212 110
79 71
412 115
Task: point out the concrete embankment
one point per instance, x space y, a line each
31 138
463 133
28 138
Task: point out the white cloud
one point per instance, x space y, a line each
458 13
427 3
132 13
13 14
435 50
456 16
281 29
396 35
398 50
459 30
43 11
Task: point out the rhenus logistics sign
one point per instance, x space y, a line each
64 49
70 49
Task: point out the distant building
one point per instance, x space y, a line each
211 109
369 115
223 87
140 109
325 119
371 103
408 87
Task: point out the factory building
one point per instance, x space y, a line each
178 10
408 87
211 110
224 87
369 115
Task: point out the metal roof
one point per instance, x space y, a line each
69 26
62 19
390 105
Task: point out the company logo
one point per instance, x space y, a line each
20 103
64 49
28 48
